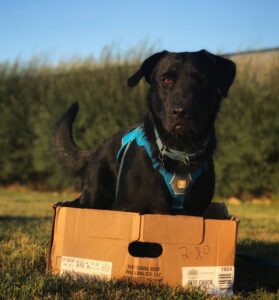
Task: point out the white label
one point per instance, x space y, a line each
215 280
81 266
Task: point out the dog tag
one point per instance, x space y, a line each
179 184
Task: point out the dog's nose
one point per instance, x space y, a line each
178 112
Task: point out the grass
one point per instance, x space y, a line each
25 226
258 236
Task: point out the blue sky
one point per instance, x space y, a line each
63 29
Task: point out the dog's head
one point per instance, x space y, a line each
186 89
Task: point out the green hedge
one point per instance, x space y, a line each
33 96
248 131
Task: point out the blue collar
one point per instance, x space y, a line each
178 186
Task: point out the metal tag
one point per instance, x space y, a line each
180 184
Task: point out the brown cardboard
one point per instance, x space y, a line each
95 242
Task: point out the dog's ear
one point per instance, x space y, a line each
226 70
146 69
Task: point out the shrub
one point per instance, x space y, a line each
33 96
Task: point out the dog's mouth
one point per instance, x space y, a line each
179 128
184 128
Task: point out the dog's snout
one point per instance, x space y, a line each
178 112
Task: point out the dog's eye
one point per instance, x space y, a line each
167 81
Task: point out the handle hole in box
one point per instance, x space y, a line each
144 249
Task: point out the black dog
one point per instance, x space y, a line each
165 165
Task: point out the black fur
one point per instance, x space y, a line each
184 99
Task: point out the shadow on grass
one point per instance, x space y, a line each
254 269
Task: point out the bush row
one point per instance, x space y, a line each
33 96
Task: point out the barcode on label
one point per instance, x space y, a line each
215 280
225 281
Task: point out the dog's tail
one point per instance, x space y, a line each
66 151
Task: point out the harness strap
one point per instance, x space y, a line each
179 195
120 169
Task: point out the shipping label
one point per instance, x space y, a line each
215 280
81 266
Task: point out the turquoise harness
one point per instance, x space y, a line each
179 196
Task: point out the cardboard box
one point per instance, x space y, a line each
181 250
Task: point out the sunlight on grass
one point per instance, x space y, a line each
257 222
23 202
25 229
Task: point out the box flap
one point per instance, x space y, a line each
48 266
172 229
103 223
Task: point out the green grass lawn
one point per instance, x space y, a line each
25 227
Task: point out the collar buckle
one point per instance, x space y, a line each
161 158
187 161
